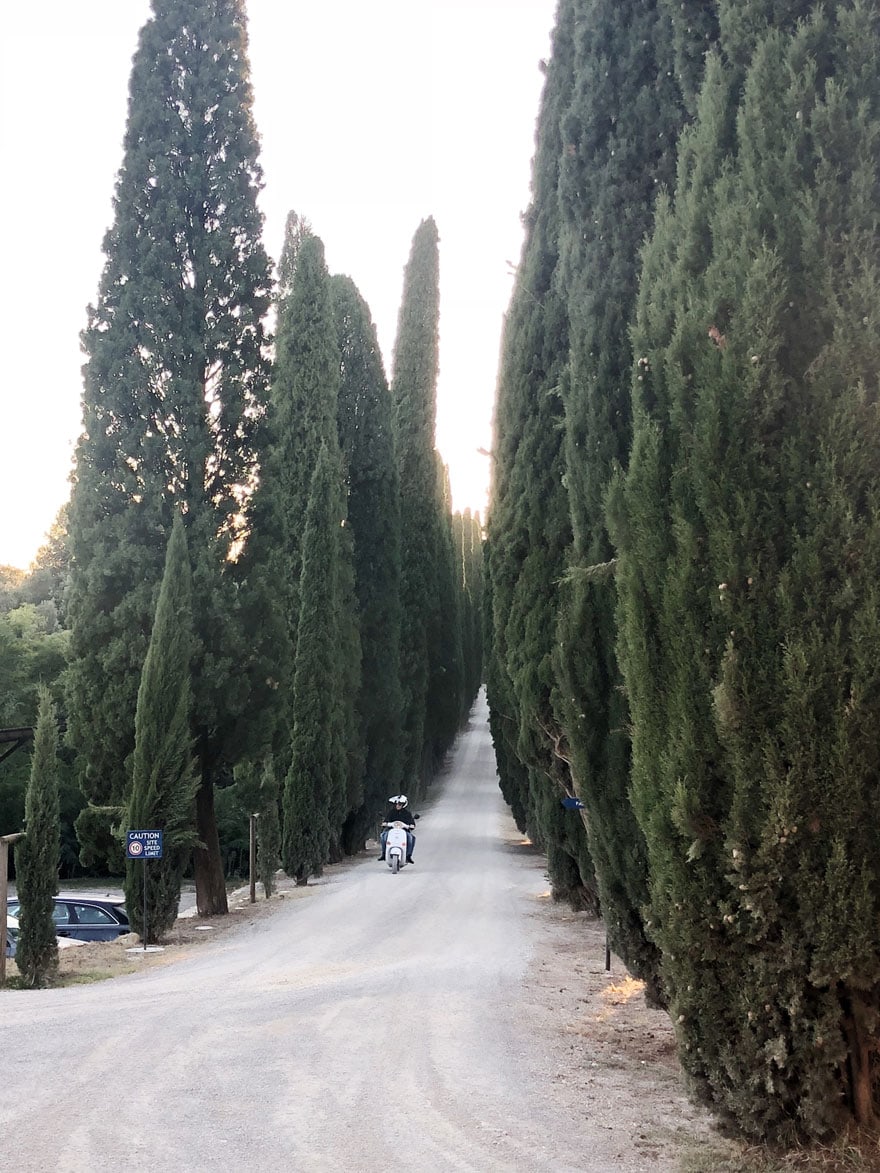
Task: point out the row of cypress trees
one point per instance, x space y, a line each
267 586
684 536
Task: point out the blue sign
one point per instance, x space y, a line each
572 804
143 844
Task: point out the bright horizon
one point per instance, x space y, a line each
370 120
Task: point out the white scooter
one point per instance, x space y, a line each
395 846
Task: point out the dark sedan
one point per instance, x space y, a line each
84 919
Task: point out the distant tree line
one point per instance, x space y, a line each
683 550
260 600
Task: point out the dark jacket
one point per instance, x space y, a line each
395 815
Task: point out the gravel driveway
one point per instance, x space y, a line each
382 1021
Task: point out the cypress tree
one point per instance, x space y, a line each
316 783
445 697
619 133
349 797
301 415
529 528
268 829
513 777
366 439
38 854
164 782
173 397
414 394
302 422
468 538
694 31
749 542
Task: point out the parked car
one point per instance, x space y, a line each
11 934
83 919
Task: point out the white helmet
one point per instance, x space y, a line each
399 800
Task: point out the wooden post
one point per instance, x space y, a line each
253 857
5 840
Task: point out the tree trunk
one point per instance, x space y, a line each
859 1064
208 863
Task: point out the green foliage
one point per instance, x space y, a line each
432 656
366 438
619 130
11 580
695 30
46 584
301 415
305 388
414 393
303 422
175 388
163 778
233 810
316 785
33 653
468 544
445 698
38 855
268 829
749 543
529 526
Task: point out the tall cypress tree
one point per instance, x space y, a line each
445 697
749 560
39 853
316 783
164 781
619 132
302 413
301 416
468 540
414 393
174 392
366 438
529 528
302 424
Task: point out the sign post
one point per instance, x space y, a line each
253 857
5 841
144 845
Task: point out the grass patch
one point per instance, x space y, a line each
85 977
856 1154
90 976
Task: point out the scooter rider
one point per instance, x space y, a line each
397 811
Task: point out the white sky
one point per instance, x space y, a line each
372 115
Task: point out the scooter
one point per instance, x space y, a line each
395 846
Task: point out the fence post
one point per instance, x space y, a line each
5 840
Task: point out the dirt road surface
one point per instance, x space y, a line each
447 1018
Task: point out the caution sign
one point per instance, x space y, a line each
143 844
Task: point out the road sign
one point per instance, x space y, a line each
143 844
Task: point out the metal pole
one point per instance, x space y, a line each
607 954
145 905
5 840
253 857
4 873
